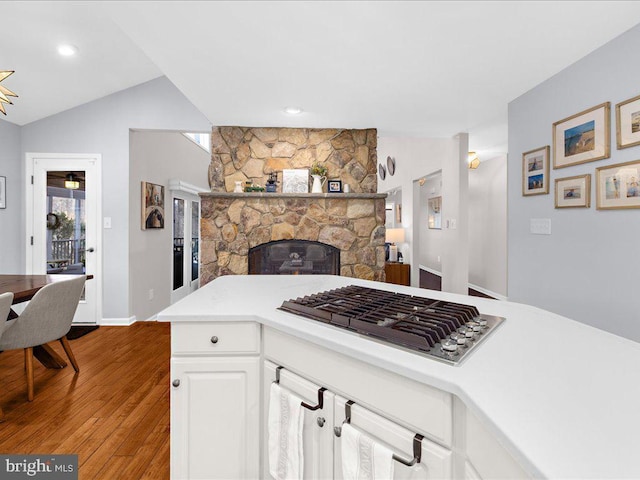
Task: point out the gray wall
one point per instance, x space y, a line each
488 226
157 157
102 126
587 269
11 238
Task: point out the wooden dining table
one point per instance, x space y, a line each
24 287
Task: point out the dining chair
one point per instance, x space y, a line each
5 307
47 317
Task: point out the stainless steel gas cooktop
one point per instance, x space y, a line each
442 330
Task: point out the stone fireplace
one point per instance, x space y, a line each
233 224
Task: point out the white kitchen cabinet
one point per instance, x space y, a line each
215 403
318 424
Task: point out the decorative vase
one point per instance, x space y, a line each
238 188
318 183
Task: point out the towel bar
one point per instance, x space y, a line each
417 439
321 390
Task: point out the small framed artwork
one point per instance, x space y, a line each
535 171
583 137
295 180
152 206
434 209
618 186
628 123
573 192
335 186
3 192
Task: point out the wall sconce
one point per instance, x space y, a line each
71 182
5 93
393 236
474 161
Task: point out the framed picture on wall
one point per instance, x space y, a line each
152 206
535 171
618 186
295 180
3 192
583 137
628 123
335 186
573 192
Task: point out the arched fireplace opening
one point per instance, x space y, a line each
294 257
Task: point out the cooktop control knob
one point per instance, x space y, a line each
481 321
466 331
449 346
474 326
459 338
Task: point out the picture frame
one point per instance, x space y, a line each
295 180
583 137
334 186
434 213
628 123
618 186
152 206
573 192
535 171
3 192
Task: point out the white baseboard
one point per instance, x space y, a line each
121 322
471 285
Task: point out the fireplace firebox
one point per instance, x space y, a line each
294 257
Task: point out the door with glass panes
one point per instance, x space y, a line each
186 244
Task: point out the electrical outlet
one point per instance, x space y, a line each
151 294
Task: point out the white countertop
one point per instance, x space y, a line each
561 396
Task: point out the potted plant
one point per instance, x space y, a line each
319 174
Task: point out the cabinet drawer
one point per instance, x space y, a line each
215 338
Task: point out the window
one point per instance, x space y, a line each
203 140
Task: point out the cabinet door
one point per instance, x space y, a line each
435 462
215 431
317 440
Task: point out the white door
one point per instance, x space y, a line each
63 212
185 273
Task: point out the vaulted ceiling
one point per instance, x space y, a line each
415 68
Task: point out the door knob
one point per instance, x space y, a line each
90 249
176 383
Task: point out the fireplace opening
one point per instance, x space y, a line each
294 257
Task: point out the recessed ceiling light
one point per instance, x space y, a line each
67 50
293 110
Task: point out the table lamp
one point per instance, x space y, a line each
393 236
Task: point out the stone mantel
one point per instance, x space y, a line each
265 195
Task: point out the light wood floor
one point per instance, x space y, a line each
114 414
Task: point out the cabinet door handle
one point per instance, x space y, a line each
214 339
320 421
176 383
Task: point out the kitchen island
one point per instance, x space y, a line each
556 398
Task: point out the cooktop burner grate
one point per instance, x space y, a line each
436 328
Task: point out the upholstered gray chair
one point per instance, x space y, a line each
5 306
47 317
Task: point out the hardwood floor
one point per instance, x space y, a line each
434 282
114 414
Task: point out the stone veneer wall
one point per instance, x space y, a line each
244 153
233 223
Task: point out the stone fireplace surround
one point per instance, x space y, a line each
232 223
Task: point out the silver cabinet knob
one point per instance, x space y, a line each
320 421
176 383
214 339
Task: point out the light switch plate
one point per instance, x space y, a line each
107 222
540 226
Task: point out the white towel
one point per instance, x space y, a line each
362 458
286 419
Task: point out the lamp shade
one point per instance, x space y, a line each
395 235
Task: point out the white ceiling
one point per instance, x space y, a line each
421 69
